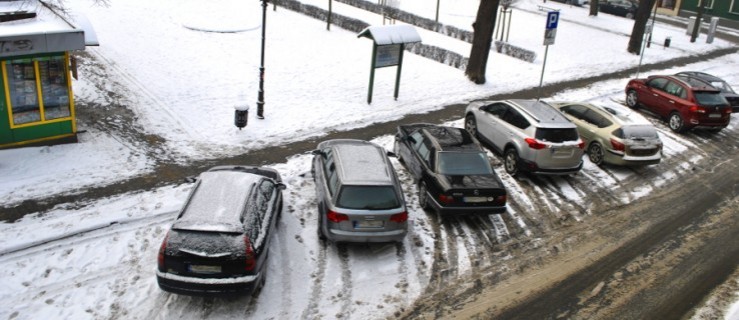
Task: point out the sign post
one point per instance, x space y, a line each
550 32
387 50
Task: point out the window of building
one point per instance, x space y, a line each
734 8
37 89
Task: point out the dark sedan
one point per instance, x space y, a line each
219 242
717 83
451 168
623 8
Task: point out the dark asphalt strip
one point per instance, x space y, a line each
675 213
172 173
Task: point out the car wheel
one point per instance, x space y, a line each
596 154
396 150
470 124
511 161
675 122
423 199
631 99
319 229
630 15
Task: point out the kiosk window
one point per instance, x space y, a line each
25 77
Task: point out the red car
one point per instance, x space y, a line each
685 102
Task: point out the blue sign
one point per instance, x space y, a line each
552 19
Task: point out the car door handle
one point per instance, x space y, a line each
656 95
672 101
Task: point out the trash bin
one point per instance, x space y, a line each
241 116
667 42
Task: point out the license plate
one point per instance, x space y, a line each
368 224
714 115
475 199
196 268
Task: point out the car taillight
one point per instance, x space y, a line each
617 145
501 200
727 110
446 199
249 262
399 217
581 144
336 217
697 109
533 144
160 256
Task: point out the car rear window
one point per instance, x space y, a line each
463 163
368 198
636 132
709 98
557 134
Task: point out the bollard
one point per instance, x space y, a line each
667 42
241 115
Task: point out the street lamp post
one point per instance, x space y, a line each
260 98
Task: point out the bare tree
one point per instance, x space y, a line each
640 23
594 7
481 40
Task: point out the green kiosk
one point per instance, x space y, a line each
36 99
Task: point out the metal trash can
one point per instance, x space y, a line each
241 116
667 42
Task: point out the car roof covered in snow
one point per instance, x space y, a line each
217 202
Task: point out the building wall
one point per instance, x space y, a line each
726 10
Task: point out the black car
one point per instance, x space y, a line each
623 8
219 242
717 83
451 168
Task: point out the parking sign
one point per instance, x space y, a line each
551 30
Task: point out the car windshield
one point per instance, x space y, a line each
557 134
709 98
463 163
639 132
368 197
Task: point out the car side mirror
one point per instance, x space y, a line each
281 186
411 139
191 179
391 154
317 152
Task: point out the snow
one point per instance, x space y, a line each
391 34
183 65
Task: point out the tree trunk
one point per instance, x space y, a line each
594 7
640 23
481 40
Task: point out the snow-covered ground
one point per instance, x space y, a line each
183 81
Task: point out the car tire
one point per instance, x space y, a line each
629 15
470 124
423 199
632 100
319 229
596 153
676 122
396 150
510 161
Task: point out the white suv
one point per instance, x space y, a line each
532 135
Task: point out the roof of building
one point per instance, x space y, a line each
40 33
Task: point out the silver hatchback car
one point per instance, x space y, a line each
359 195
532 135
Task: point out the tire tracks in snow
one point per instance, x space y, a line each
85 235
